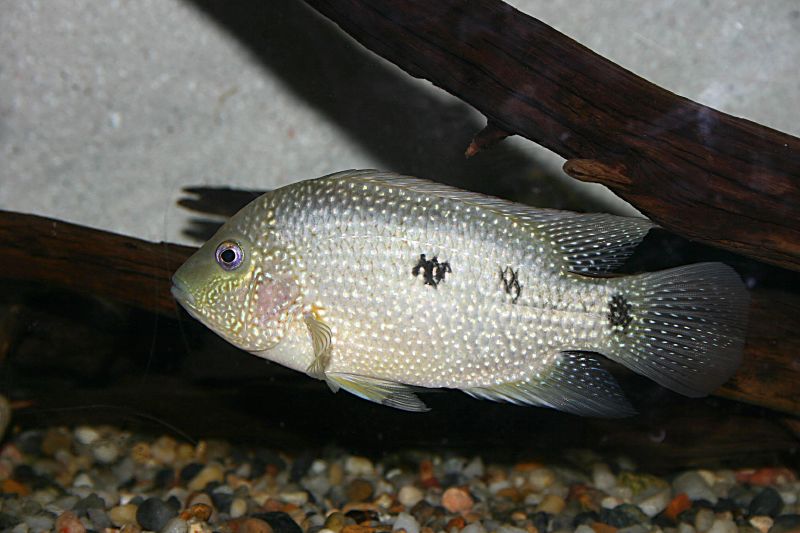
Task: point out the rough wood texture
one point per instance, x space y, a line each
97 263
711 177
89 261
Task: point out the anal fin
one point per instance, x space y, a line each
385 392
576 383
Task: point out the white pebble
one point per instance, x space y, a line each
86 434
407 522
410 495
474 468
583 528
602 477
319 466
83 480
238 508
703 520
723 526
105 452
695 487
656 503
609 502
511 529
762 523
359 466
683 527
475 527
541 478
298 498
175 525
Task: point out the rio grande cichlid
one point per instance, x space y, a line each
382 285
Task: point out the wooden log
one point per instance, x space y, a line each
136 272
89 261
703 174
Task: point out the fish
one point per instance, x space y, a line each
386 286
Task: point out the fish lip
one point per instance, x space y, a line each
181 292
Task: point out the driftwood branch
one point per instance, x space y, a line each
136 272
700 173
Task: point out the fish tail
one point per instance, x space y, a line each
684 328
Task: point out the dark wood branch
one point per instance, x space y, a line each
136 272
89 261
703 174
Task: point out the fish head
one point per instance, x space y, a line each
242 287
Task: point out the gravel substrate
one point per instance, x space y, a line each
104 479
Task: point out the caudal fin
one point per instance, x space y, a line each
684 328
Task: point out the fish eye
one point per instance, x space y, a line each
229 255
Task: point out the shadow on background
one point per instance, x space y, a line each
408 128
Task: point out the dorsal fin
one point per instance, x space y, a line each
594 243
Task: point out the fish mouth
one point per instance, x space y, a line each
181 292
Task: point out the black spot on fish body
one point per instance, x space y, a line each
619 311
510 280
433 272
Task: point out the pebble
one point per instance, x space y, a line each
475 527
280 522
723 526
335 522
68 522
175 525
541 478
359 466
105 451
410 495
703 520
768 502
210 473
583 528
694 486
238 508
406 522
623 516
359 490
552 504
602 477
762 523
123 514
457 500
255 525
40 522
656 503
153 514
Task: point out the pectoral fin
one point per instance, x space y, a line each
380 391
576 383
321 341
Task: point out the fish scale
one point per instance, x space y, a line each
381 284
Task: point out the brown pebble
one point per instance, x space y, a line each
357 528
198 511
67 522
56 439
519 516
600 527
356 506
359 490
510 493
457 500
130 528
456 522
335 521
12 486
255 525
336 474
272 505
552 503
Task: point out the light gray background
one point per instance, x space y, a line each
108 108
